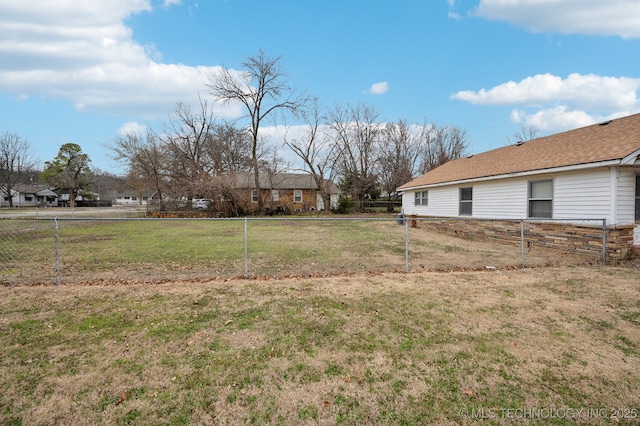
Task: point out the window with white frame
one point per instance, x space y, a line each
422 198
275 195
297 196
541 199
466 202
254 195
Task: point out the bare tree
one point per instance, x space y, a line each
16 158
398 157
526 132
263 91
441 144
355 131
145 158
229 149
187 137
315 150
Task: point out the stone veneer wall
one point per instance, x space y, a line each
566 236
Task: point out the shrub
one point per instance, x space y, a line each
344 206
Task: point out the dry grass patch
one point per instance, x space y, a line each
391 348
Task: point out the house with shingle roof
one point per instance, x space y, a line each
30 196
295 192
590 172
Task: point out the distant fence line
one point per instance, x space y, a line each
83 250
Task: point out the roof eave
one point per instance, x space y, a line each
561 169
630 159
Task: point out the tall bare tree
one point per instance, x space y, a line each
398 157
355 131
146 159
440 144
16 158
229 149
315 150
187 137
70 170
263 90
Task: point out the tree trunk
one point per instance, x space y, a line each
256 179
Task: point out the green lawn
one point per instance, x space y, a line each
92 250
412 349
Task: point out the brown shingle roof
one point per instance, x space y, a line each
612 140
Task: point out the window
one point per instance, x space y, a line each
466 201
422 198
638 198
275 195
297 196
541 199
254 195
134 198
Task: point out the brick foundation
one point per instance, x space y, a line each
565 236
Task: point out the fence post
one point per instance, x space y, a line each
246 250
406 245
604 240
57 232
522 240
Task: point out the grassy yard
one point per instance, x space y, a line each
422 348
129 251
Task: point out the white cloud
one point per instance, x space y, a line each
169 3
132 127
84 53
594 17
585 91
379 88
555 119
552 103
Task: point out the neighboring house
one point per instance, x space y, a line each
591 172
64 199
131 198
294 192
31 196
280 192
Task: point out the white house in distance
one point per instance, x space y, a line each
133 198
30 196
591 172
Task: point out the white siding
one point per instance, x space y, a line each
442 202
626 196
505 199
583 194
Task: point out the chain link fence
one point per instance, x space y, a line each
74 250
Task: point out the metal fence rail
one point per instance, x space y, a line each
74 250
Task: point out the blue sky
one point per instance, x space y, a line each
86 71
